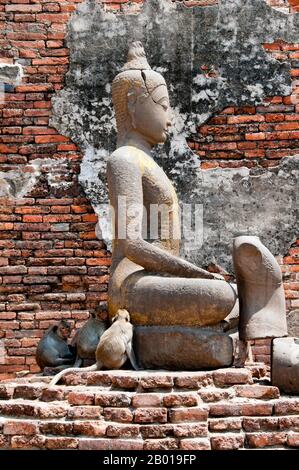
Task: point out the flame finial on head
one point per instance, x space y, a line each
136 58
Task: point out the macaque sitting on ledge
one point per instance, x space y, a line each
53 352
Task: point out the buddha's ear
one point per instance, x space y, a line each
131 100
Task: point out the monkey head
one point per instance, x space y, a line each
121 314
63 330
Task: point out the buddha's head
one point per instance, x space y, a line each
140 100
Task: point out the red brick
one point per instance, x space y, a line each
293 439
180 399
85 412
122 430
110 444
61 443
195 444
289 422
110 399
26 442
232 376
257 391
289 406
190 430
248 409
21 428
194 381
90 428
178 415
260 440
260 424
56 428
225 424
255 136
245 119
81 398
211 395
150 415
227 442
46 139
160 444
120 415
143 400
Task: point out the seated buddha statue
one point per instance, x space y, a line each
174 305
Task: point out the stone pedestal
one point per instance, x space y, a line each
182 348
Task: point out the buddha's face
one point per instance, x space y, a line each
151 116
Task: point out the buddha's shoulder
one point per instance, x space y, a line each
128 155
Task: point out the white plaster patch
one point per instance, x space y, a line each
11 73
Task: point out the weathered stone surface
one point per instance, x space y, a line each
293 323
203 38
11 74
285 364
182 348
260 290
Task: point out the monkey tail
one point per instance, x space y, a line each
57 377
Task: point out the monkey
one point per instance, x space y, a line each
53 350
114 348
88 337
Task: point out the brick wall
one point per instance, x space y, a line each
51 264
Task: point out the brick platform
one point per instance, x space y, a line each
222 409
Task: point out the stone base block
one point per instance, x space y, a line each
182 348
285 364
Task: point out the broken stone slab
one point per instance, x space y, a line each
182 348
285 364
260 289
11 73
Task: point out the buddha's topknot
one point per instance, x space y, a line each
136 58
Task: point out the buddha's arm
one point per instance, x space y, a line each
125 182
